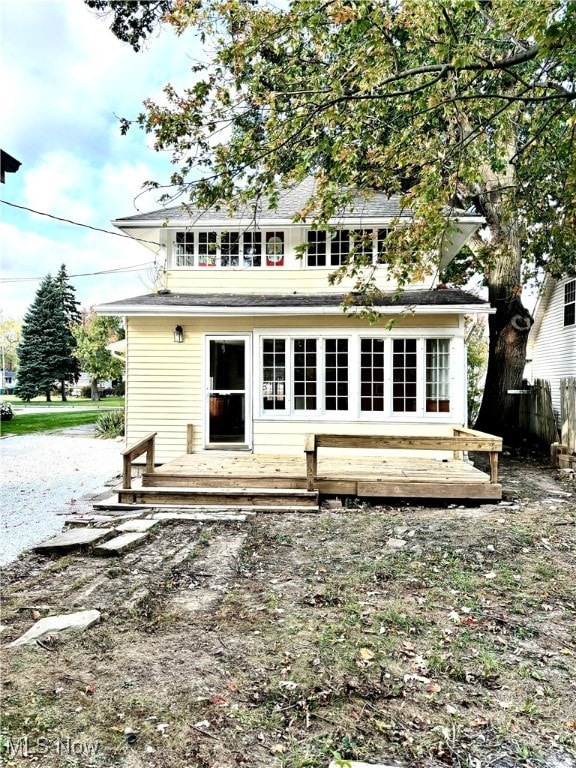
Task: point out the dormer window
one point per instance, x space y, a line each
184 249
274 249
570 303
335 248
227 250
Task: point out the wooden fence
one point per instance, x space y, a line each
568 412
536 417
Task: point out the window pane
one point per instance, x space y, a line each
274 375
339 247
316 254
336 376
404 375
372 375
230 249
305 374
252 249
437 375
570 303
184 249
207 248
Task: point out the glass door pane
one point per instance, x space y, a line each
227 391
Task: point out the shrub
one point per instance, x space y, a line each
120 389
110 424
5 411
86 391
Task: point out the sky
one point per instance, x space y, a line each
65 82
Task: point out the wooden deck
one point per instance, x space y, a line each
361 477
329 465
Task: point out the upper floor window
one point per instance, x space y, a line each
570 303
335 248
227 249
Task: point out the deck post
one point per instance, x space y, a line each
146 445
493 466
311 451
190 438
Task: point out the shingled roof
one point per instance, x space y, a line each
292 199
164 302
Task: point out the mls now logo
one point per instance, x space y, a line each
24 746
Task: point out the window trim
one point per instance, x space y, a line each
354 411
212 245
569 313
333 260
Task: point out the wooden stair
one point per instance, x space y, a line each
253 498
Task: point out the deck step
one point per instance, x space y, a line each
219 496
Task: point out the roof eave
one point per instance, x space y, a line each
137 310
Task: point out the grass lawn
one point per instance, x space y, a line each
26 423
105 402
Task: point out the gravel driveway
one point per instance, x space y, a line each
47 476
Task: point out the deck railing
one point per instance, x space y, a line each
146 445
461 440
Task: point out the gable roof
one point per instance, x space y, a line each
444 300
373 205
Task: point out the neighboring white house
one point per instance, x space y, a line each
247 341
552 342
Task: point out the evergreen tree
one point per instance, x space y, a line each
47 342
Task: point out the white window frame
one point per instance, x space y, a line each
377 239
245 260
457 386
569 300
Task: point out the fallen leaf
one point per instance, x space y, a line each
90 689
433 688
366 654
277 748
479 722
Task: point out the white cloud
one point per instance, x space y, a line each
66 80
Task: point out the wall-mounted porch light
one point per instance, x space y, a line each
178 334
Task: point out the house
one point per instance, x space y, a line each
552 341
246 346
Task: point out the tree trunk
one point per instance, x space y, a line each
511 323
48 398
63 390
94 394
509 328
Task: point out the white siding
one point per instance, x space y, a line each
554 347
166 385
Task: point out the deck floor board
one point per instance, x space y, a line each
361 475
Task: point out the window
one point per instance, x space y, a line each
184 249
227 250
371 375
252 249
316 254
404 375
274 375
305 372
207 249
274 249
336 374
437 375
334 248
339 247
230 249
570 303
356 376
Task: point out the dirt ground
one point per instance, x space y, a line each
409 635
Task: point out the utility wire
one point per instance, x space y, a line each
132 268
79 224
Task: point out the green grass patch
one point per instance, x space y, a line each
28 423
72 402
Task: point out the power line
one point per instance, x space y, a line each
131 268
79 224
